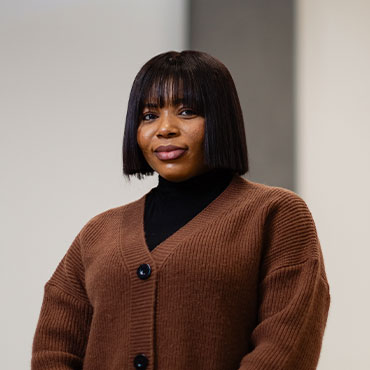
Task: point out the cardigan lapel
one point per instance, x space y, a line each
132 237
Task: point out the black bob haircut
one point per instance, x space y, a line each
205 85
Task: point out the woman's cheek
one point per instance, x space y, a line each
142 138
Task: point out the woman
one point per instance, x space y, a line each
206 271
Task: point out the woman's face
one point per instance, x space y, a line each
175 125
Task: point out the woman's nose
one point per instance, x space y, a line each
167 126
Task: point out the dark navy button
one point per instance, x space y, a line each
140 361
144 271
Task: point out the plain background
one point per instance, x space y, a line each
255 39
65 74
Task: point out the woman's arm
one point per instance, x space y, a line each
64 322
294 296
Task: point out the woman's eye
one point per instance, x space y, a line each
148 116
187 112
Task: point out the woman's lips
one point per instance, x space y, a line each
173 154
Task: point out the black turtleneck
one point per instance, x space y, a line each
170 205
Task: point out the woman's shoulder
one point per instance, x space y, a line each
108 220
283 213
270 196
275 205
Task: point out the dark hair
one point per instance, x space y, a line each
203 83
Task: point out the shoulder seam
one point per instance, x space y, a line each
67 293
287 266
295 265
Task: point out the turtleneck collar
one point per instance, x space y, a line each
170 205
197 184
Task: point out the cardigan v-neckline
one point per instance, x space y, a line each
135 250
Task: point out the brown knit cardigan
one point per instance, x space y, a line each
241 286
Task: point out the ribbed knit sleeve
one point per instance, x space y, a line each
294 295
63 327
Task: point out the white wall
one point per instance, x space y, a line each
333 166
65 75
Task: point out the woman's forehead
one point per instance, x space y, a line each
171 92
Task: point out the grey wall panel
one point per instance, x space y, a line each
254 39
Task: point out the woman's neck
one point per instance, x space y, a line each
197 184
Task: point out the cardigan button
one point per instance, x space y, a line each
144 271
140 361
